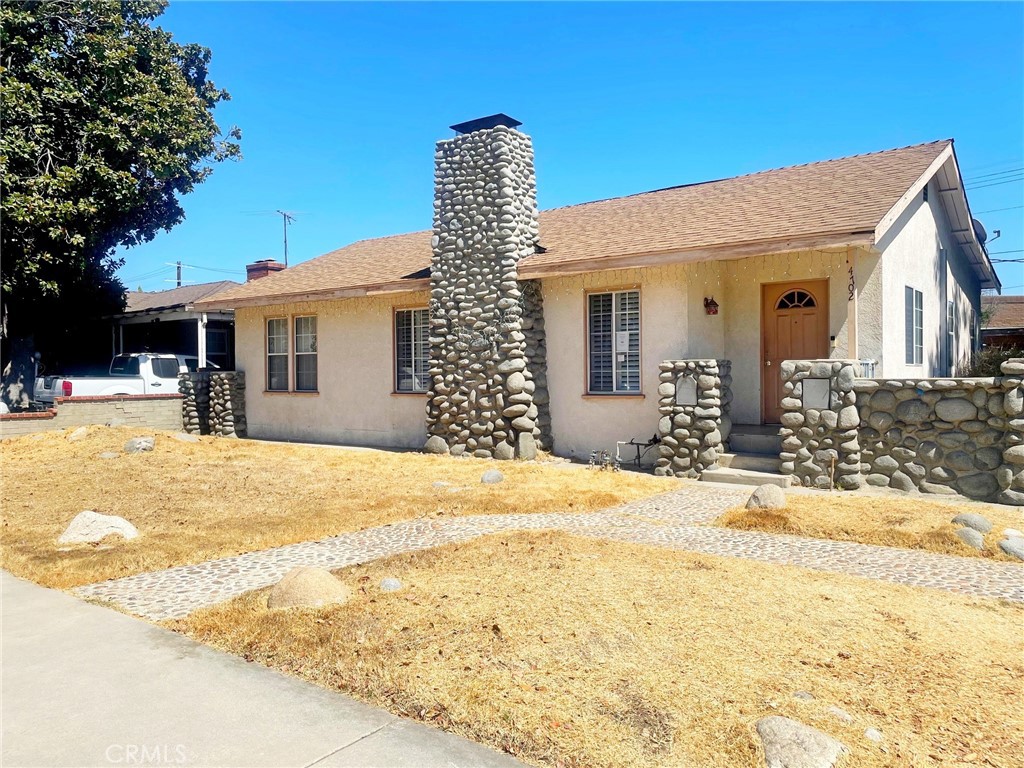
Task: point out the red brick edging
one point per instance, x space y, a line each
113 398
49 413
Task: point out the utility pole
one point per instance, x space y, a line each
287 219
178 275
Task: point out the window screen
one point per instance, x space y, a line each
412 350
277 354
613 344
305 354
914 301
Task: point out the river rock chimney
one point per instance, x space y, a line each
481 398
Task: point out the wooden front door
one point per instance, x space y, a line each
794 326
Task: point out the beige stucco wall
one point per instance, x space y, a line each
580 423
911 256
355 404
674 325
741 310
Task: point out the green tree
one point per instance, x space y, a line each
106 123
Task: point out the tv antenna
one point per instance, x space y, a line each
286 218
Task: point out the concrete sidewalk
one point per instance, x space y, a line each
87 686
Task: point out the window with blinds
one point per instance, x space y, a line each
412 350
914 301
277 354
613 343
305 354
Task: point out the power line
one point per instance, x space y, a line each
994 164
996 253
146 276
997 210
996 173
214 269
996 183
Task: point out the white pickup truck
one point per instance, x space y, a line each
135 374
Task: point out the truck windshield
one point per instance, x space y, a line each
165 367
124 365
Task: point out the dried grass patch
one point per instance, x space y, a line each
568 651
883 519
198 501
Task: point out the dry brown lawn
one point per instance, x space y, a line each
884 519
220 497
568 651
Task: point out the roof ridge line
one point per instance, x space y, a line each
752 173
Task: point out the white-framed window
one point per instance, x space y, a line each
951 336
914 309
613 342
277 354
305 353
412 350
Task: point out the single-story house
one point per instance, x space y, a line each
1003 322
168 321
504 321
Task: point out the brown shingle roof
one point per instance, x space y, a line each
1007 311
844 196
140 301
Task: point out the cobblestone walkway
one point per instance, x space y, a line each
670 520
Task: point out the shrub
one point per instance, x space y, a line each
987 361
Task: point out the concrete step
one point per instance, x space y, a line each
759 462
745 477
760 442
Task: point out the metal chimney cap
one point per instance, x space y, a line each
482 123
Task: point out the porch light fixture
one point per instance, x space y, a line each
710 306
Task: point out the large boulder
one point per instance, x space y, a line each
308 588
491 476
1013 546
435 444
139 444
791 744
89 527
971 538
973 520
767 497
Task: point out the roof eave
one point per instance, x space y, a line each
725 252
349 292
952 197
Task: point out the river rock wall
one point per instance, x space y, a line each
940 436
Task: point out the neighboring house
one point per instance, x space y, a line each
168 321
873 257
1004 322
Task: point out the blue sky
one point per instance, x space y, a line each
340 105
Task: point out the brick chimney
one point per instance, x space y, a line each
262 268
482 366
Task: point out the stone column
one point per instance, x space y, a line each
1010 475
482 390
820 420
227 404
693 399
195 402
